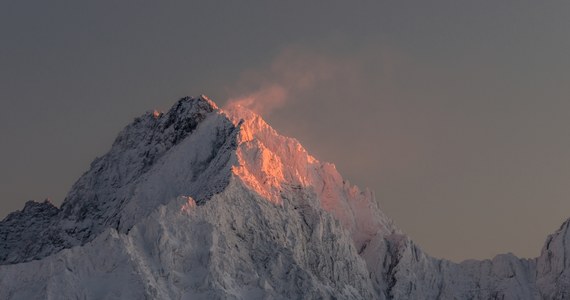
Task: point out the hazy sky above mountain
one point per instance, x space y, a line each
455 113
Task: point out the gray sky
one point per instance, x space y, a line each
455 113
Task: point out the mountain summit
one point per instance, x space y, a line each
208 203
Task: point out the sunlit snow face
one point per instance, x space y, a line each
270 164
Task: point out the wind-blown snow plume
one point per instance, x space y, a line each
263 100
294 70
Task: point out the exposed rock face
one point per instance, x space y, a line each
20 230
553 269
204 203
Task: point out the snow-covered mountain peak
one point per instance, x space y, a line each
204 203
193 151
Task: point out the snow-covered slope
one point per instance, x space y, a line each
204 203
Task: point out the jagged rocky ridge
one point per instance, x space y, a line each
204 203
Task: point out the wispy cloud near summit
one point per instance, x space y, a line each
294 70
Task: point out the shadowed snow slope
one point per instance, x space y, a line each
205 203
